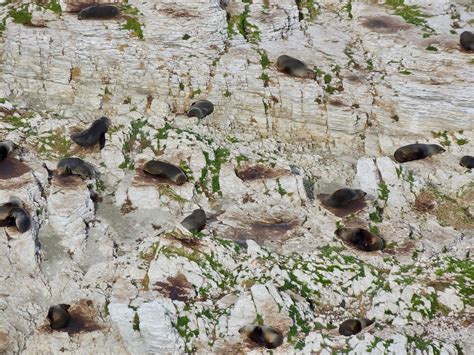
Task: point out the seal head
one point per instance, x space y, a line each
59 316
360 238
165 170
467 161
195 222
467 40
416 152
268 337
353 326
294 67
94 134
6 148
99 11
75 166
200 109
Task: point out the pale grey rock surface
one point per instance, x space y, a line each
112 247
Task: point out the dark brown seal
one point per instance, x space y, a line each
165 170
265 336
353 326
195 222
59 316
467 40
360 238
94 134
467 161
99 12
75 166
200 109
416 151
294 67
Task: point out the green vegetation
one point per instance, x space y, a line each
383 191
55 145
264 61
20 15
310 5
54 6
432 48
249 31
461 141
213 168
185 37
348 8
442 137
136 322
411 14
135 26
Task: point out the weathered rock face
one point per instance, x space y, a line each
113 248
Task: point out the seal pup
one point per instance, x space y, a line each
22 219
6 209
59 316
165 170
75 166
268 337
467 161
416 151
200 109
94 134
353 326
360 238
6 148
195 222
99 11
467 40
294 67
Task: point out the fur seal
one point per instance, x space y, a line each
75 166
294 67
360 238
6 148
13 213
353 326
99 11
342 197
467 161
59 316
268 337
200 109
467 40
165 170
22 219
94 134
195 222
416 151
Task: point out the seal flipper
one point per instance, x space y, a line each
102 141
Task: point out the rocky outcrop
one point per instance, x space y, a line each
112 247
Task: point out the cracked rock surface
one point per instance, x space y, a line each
389 73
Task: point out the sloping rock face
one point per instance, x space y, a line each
387 74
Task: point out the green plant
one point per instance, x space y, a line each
135 26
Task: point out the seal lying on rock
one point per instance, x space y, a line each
416 151
360 238
165 170
467 40
354 326
200 109
59 316
294 67
268 337
99 11
75 166
13 213
6 148
467 161
195 222
342 197
94 134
